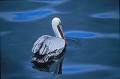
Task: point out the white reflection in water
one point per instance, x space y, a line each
109 14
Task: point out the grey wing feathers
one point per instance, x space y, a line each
55 43
39 43
46 44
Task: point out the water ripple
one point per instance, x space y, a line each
83 68
84 34
26 15
53 2
3 33
109 15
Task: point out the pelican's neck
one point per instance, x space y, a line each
57 28
56 31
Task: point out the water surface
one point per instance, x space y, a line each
91 28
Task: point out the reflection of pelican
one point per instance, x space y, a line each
48 49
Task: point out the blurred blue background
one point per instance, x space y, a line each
90 26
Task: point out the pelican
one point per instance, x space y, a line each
49 50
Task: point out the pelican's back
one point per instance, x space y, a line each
46 44
54 43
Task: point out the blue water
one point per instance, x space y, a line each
26 16
91 28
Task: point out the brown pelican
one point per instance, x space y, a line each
49 50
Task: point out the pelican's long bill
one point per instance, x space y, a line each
61 31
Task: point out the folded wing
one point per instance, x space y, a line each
48 46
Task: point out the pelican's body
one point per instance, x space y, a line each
48 46
48 49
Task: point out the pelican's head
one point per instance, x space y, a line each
57 27
56 21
